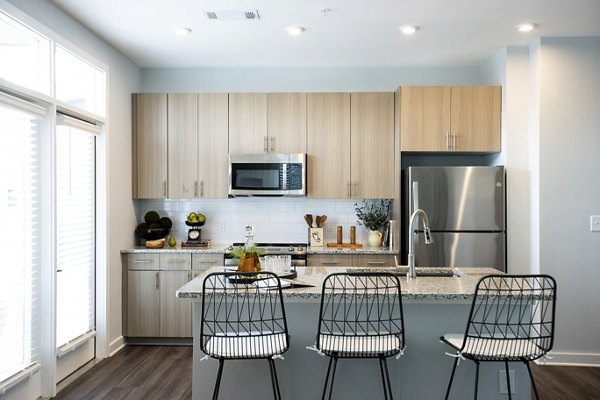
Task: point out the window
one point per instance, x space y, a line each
76 226
79 83
25 56
20 217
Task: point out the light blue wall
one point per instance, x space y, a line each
569 189
302 79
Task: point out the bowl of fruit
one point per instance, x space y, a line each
154 227
195 219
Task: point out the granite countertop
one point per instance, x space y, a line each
366 250
420 289
215 248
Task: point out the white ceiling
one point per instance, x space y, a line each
355 33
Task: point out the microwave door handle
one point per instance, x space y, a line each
284 178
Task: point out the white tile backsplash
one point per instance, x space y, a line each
274 219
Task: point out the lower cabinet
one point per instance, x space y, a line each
351 260
152 279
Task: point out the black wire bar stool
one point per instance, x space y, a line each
360 317
243 317
511 320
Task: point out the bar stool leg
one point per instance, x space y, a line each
335 361
537 396
451 378
507 380
218 382
385 375
476 378
274 380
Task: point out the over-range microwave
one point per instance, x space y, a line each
267 175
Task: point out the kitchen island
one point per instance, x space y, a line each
433 306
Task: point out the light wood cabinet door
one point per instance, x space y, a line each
202 262
183 145
213 142
175 262
143 302
425 118
451 118
373 261
248 123
329 260
150 145
286 123
372 145
175 313
475 118
328 145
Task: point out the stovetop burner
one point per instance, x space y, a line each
274 248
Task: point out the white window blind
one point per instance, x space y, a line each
75 219
20 239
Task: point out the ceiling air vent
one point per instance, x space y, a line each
232 15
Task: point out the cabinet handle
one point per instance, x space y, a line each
454 141
272 139
265 145
189 276
354 188
349 190
157 281
165 188
195 188
375 262
176 261
447 140
142 261
201 188
330 262
213 262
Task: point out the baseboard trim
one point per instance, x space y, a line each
116 345
571 359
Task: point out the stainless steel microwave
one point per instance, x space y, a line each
267 175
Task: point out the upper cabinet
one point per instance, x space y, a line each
350 145
286 115
450 118
372 145
212 146
183 145
328 124
267 123
248 123
180 145
149 145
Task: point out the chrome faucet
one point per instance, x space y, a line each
411 242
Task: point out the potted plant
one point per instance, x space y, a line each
373 214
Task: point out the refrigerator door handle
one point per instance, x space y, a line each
415 199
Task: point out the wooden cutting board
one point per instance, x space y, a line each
346 245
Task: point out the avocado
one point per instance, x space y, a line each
151 217
166 222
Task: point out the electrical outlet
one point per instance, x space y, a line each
502 388
594 223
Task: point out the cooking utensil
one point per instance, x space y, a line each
309 220
322 223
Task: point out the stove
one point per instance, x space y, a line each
296 250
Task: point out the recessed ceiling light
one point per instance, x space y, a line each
526 27
409 29
295 30
183 31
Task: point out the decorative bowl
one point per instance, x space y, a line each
194 223
152 234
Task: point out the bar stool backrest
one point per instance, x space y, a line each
511 318
361 315
241 320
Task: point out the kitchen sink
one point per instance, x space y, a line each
421 271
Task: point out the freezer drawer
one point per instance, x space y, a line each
470 249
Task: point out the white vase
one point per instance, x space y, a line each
374 238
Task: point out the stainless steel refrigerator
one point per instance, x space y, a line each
467 216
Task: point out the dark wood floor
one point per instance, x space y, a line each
165 373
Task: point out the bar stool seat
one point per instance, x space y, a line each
246 346
512 349
367 346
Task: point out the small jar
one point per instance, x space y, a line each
339 234
353 234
